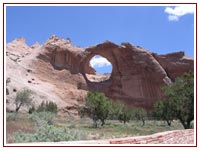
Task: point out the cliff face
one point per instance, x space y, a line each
175 64
135 79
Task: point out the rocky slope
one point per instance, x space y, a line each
58 71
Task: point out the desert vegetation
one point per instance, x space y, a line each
23 98
54 128
102 118
100 108
179 102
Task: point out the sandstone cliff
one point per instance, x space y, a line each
56 71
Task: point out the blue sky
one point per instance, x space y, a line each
158 29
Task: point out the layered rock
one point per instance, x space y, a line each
136 77
175 64
137 73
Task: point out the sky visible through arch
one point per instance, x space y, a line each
160 29
101 64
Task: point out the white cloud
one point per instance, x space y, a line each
178 11
173 18
99 61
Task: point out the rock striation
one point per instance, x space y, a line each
136 77
137 74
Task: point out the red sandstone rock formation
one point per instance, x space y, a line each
137 74
136 77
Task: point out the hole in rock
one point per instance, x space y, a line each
100 69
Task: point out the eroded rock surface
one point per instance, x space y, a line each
59 71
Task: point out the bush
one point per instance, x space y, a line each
23 98
10 116
125 114
43 118
98 107
47 106
115 111
50 134
179 102
31 110
140 114
163 111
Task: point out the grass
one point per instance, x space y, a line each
20 123
112 128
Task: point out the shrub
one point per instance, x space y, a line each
140 114
179 102
43 118
31 110
47 106
163 111
23 98
51 107
125 115
50 134
10 116
97 107
115 111
41 107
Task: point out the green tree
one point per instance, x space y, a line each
125 114
115 111
163 110
98 107
179 101
140 114
23 98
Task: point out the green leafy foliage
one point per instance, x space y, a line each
140 114
129 113
23 98
115 111
163 111
47 106
125 115
179 102
49 133
43 118
97 107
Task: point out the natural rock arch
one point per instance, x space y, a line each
90 56
102 71
104 50
137 74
